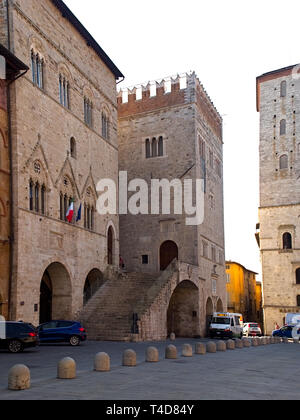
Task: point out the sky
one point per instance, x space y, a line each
228 44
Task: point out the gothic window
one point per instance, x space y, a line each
73 148
287 241
148 149
43 199
88 109
283 162
37 197
89 210
64 91
105 126
31 195
160 146
211 159
298 276
66 198
283 89
37 67
154 147
282 127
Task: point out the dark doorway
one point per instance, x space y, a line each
110 246
92 284
46 299
168 253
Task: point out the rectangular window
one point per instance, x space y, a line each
88 107
145 259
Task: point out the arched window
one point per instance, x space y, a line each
282 127
154 147
283 89
298 276
64 91
160 146
284 162
105 126
88 109
37 67
287 240
43 200
73 148
148 149
298 300
31 195
37 197
110 246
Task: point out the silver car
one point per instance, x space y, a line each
252 329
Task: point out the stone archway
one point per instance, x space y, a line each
220 307
168 253
55 294
93 283
209 313
183 311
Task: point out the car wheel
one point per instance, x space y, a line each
74 341
15 346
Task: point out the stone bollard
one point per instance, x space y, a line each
262 341
19 378
66 369
246 342
255 342
171 352
239 344
286 340
152 355
172 337
230 345
273 340
187 350
129 358
296 340
221 346
102 362
211 347
200 348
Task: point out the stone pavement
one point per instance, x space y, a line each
269 372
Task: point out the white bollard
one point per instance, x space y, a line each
66 369
19 378
102 362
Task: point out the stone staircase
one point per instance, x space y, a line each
108 316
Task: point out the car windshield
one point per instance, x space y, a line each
253 325
221 320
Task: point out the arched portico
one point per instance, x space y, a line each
183 311
94 281
220 307
55 294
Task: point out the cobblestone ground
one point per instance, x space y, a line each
267 372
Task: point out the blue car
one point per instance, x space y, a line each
286 331
62 332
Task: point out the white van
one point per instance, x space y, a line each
226 325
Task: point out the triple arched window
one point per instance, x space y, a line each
154 147
37 197
37 67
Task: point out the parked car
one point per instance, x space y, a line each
287 331
18 336
62 332
226 325
252 329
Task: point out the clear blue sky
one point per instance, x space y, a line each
228 43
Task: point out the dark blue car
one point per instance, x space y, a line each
286 331
62 332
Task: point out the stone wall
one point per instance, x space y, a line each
42 130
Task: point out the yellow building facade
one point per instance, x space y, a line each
244 293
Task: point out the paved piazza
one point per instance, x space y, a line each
266 372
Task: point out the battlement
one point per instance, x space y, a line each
171 91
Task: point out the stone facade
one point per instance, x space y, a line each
181 116
278 100
59 154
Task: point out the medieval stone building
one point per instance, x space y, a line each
63 141
170 130
278 101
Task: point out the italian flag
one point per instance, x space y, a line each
70 213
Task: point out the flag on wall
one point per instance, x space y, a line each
79 213
70 213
